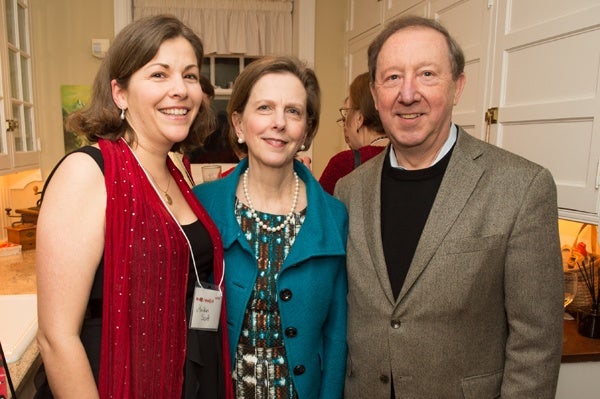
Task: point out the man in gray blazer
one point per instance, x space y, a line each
454 267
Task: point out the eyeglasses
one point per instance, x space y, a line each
344 113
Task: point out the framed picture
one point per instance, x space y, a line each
73 98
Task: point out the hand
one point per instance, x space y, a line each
305 160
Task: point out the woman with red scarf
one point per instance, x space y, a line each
124 249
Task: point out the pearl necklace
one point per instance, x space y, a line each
254 215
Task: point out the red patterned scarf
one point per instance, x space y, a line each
146 262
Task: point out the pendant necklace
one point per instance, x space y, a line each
168 198
152 180
254 215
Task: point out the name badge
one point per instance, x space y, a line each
206 309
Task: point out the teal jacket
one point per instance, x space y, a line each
312 283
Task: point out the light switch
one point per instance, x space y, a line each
100 47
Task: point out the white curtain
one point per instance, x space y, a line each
252 27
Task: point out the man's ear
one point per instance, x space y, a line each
459 85
374 95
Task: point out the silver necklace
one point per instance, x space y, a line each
254 215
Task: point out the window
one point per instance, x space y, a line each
222 71
18 143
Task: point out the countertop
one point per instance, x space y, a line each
18 273
18 277
577 348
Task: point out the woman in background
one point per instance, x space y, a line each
215 147
121 239
284 240
363 133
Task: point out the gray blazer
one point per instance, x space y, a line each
480 312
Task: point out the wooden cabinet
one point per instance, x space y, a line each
536 62
544 81
19 147
222 71
23 235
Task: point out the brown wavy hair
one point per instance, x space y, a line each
132 48
361 99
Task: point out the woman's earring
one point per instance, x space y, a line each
240 140
302 147
123 114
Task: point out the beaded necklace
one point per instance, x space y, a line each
253 213
378 139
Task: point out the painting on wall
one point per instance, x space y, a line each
73 98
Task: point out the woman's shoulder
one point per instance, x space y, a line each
344 157
369 151
81 162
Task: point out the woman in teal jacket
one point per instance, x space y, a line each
285 274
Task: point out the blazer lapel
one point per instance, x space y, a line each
459 181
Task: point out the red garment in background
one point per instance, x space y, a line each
342 163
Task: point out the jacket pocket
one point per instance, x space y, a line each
484 386
473 244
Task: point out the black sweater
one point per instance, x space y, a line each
406 199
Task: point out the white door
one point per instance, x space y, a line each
363 15
546 84
358 46
357 55
393 8
470 23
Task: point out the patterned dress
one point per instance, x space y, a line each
261 368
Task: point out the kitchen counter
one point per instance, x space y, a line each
18 273
18 277
24 369
577 348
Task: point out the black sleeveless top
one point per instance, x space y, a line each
203 370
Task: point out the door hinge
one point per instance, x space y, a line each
490 4
491 116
